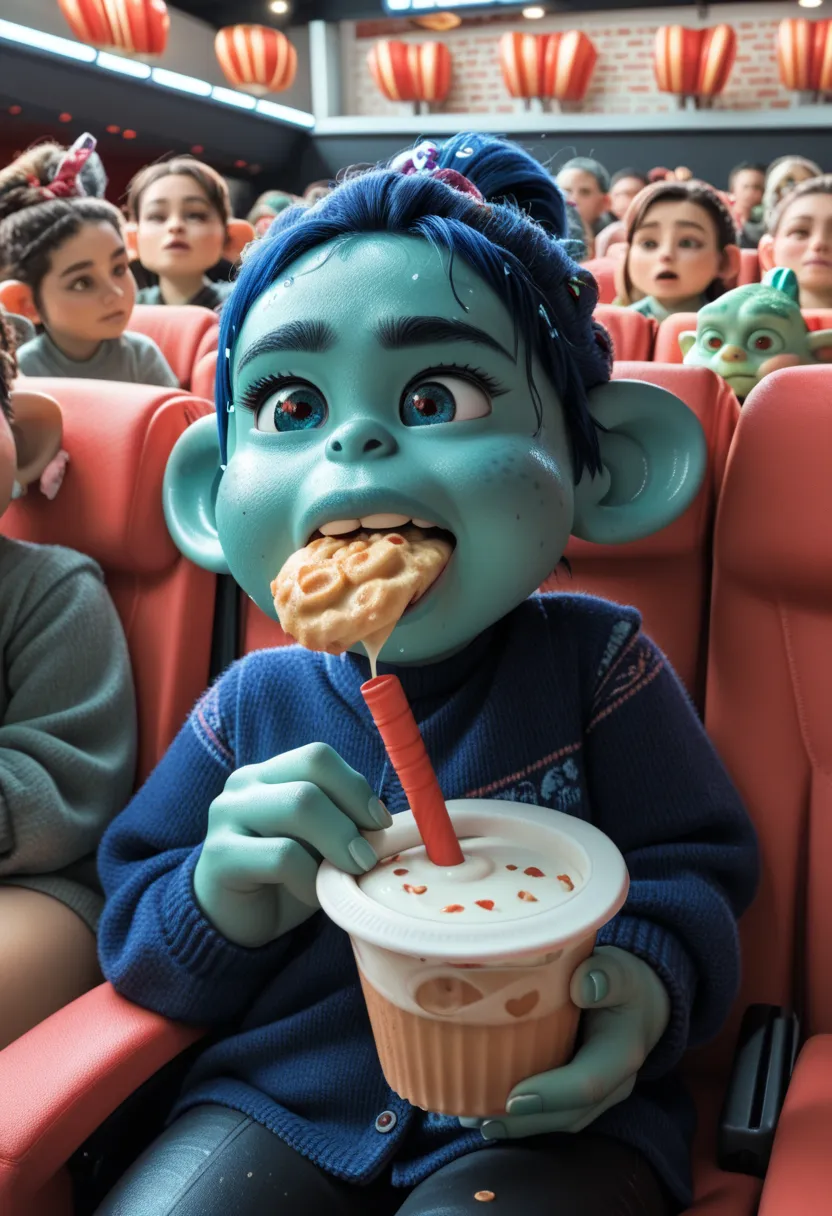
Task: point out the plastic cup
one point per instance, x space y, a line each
467 1000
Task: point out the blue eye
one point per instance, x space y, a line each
444 399
293 407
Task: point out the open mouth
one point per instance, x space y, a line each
666 276
411 529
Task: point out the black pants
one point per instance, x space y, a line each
216 1162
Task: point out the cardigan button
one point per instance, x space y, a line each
386 1121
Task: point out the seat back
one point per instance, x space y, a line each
633 335
119 437
768 709
749 267
603 271
667 575
667 348
817 318
186 335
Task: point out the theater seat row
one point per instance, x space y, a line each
756 532
637 337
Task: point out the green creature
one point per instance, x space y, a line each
754 330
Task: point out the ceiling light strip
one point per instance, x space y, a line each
66 48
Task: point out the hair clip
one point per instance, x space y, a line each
425 159
65 183
573 286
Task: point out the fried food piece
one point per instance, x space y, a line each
341 590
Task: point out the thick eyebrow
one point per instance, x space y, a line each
189 198
396 333
75 267
307 337
676 224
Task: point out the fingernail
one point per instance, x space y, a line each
493 1130
525 1104
595 987
379 813
362 853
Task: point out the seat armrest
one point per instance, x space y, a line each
66 1075
799 1178
763 1064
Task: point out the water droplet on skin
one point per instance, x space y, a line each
414 277
288 282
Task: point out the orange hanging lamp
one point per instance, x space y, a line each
410 71
804 55
130 27
523 63
569 64
256 58
694 64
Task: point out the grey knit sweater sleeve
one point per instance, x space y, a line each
67 709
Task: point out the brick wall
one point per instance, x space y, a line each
623 83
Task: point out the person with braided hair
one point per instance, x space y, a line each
67 732
64 265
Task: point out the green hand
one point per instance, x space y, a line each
267 832
627 1011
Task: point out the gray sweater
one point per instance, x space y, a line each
131 359
67 721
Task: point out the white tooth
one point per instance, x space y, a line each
338 526
424 523
384 521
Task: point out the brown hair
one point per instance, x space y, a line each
32 224
812 185
8 365
674 191
212 184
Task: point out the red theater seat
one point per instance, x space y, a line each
633 334
767 710
603 271
188 337
667 576
119 437
667 348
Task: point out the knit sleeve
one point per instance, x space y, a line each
153 366
155 945
68 734
658 789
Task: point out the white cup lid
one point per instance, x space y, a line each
598 898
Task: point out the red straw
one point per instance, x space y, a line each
394 718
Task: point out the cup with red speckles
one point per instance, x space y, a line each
466 968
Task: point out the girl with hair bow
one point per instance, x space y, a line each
64 266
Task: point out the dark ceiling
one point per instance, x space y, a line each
229 12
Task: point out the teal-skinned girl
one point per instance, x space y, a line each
420 345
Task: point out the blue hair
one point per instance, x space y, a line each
550 297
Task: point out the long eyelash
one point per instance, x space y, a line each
483 378
259 390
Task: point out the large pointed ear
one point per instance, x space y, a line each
189 490
765 252
654 457
687 340
16 297
37 428
731 264
131 241
820 344
239 233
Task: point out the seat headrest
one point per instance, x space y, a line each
119 437
182 332
773 526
